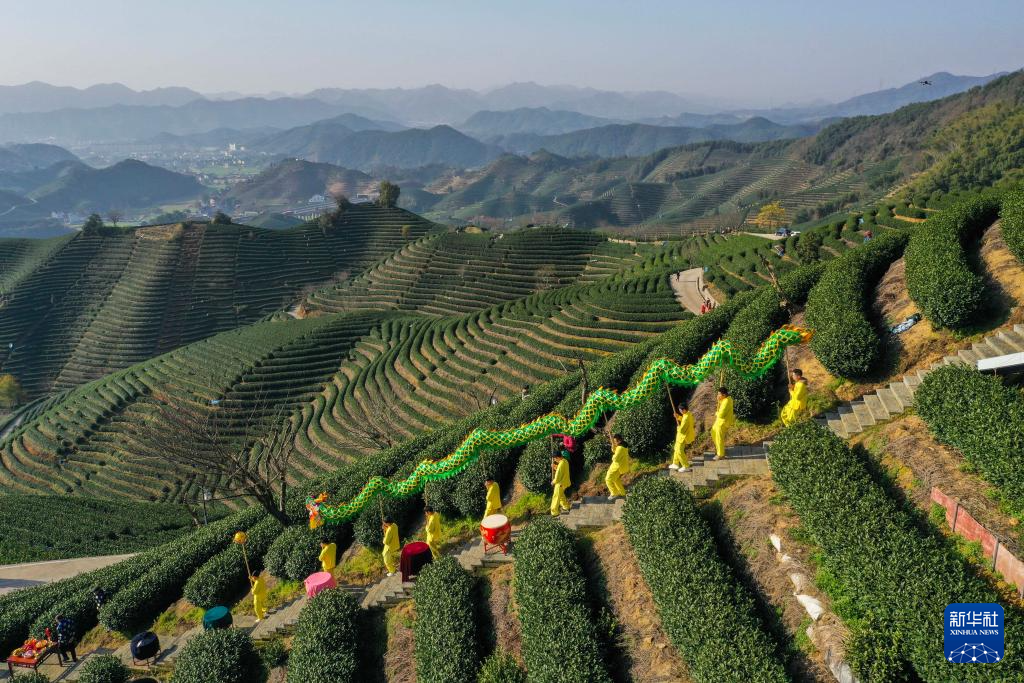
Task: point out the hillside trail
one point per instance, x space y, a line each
15 576
688 286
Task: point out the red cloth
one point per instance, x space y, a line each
318 582
415 556
569 443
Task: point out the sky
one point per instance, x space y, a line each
744 52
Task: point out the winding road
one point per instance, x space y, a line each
688 286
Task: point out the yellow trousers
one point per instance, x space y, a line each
718 437
390 560
259 606
435 546
679 458
492 510
558 500
791 412
613 480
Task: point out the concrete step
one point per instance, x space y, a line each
912 380
836 424
874 404
863 413
999 347
1014 340
969 356
904 393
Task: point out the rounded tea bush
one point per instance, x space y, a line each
326 640
103 669
218 656
501 667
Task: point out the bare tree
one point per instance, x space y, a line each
115 216
238 450
382 431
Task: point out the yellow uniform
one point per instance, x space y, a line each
561 483
493 500
390 552
329 557
259 598
434 533
621 463
684 437
794 410
724 419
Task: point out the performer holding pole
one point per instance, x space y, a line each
621 462
560 482
795 409
433 531
391 546
724 419
259 597
684 437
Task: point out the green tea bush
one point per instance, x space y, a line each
103 669
980 417
445 628
219 656
891 571
304 558
326 643
139 602
33 677
276 558
560 641
705 612
939 276
845 340
501 667
223 578
1011 217
535 466
596 449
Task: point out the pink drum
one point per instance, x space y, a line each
318 582
496 532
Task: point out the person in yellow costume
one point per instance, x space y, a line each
433 531
259 597
390 552
493 498
794 410
560 481
328 556
724 419
621 463
684 437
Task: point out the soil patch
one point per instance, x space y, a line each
400 660
1005 272
652 657
506 631
918 462
752 511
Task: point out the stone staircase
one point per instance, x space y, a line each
739 460
853 418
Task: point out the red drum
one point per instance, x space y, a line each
496 532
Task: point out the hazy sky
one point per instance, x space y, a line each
757 51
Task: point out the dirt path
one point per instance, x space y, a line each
751 511
651 656
400 660
688 285
15 576
507 633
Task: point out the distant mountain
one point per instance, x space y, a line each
335 143
486 125
638 139
127 184
21 158
690 120
42 97
122 123
27 182
294 181
318 140
882 101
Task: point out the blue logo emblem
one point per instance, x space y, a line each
974 633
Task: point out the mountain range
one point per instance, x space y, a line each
37 112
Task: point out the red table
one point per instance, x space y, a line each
319 581
415 556
29 662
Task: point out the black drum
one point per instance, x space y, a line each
145 646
